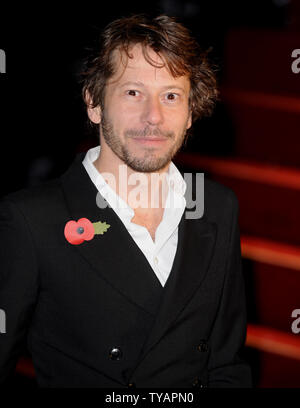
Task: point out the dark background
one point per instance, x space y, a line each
43 125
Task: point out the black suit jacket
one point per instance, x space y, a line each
74 304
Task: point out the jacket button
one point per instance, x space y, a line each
115 353
202 346
198 383
131 385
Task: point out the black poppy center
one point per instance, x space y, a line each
80 230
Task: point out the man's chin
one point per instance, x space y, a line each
146 162
144 166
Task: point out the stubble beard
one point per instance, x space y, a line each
151 161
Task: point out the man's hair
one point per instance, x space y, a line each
172 41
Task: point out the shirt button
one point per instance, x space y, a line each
156 260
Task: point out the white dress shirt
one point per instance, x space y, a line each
161 253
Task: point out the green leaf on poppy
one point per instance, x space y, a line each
100 227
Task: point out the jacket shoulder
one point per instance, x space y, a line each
219 198
35 201
216 190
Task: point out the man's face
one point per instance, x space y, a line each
146 112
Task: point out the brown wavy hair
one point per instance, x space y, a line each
180 53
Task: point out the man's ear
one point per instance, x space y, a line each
189 123
94 113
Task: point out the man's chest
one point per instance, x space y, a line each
150 220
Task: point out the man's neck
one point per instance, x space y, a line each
147 189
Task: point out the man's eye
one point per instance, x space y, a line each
172 96
132 92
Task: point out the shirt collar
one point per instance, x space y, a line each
175 181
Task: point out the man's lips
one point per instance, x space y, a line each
150 140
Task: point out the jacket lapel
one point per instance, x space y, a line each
196 240
106 253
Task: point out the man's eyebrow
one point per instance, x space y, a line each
137 83
140 84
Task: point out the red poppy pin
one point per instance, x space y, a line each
82 230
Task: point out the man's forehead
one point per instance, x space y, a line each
136 55
136 62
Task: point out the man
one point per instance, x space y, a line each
108 289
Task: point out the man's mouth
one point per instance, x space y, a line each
150 140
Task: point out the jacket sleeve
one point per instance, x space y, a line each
18 284
226 367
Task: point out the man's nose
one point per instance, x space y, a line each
152 112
